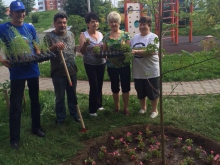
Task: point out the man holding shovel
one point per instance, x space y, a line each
62 43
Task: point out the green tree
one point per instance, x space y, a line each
2 10
78 25
29 5
76 7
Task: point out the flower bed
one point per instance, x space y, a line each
136 145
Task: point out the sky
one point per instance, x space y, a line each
7 2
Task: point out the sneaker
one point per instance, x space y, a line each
154 114
93 114
142 111
101 109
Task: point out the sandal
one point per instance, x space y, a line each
126 112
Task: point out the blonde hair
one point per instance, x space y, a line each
114 16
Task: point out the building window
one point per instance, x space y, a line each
50 2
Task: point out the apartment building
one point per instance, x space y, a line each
44 5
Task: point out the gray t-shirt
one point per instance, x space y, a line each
146 67
57 67
88 57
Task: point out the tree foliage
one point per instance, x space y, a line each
2 10
80 8
78 24
29 5
76 7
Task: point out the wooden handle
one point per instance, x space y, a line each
67 72
80 116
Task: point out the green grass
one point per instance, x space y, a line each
173 65
45 20
198 114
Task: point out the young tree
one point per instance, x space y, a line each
29 5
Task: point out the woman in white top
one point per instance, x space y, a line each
145 67
95 67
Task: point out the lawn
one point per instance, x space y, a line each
202 66
45 20
198 114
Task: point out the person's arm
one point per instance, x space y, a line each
83 43
105 47
4 62
142 53
53 47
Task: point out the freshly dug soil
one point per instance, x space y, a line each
173 154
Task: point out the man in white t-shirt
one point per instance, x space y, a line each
145 67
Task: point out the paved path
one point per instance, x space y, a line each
182 88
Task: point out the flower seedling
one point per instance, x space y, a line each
141 145
186 149
189 142
139 137
187 161
118 142
178 141
102 152
153 140
210 157
148 131
89 161
128 137
199 151
132 154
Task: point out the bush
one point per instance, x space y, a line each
35 18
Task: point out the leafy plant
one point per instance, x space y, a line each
18 47
187 161
189 142
128 137
3 49
186 149
35 18
89 161
96 49
178 141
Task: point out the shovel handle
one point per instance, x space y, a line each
67 72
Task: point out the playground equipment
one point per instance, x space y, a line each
134 10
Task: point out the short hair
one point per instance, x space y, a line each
146 19
59 15
90 16
114 16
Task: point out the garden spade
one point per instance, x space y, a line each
70 82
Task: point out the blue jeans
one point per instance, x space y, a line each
61 85
17 92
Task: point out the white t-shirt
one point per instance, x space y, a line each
146 67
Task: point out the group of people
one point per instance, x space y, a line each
145 68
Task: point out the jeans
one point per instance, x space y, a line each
95 75
61 85
17 92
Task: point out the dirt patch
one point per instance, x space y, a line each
173 153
